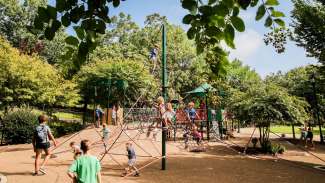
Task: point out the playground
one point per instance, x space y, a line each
186 91
220 162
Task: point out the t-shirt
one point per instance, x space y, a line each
105 132
42 128
191 113
131 153
168 115
86 167
99 112
161 109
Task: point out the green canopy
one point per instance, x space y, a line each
202 90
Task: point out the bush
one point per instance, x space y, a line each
19 125
61 128
277 149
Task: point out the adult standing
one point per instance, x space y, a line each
98 115
85 169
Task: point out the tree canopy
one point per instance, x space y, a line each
27 79
120 81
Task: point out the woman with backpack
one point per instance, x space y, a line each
41 141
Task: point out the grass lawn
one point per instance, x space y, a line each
288 129
65 115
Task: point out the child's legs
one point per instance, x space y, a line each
38 154
47 156
135 169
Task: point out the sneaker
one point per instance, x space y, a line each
42 170
137 174
37 174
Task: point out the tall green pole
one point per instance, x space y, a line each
164 93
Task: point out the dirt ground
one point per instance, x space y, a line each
219 163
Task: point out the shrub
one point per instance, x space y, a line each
254 142
19 125
61 128
277 149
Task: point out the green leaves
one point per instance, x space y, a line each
191 33
51 12
188 18
277 14
190 5
206 10
61 5
272 2
213 32
280 22
80 32
260 12
221 10
268 22
229 34
244 3
238 23
116 3
42 15
65 20
72 41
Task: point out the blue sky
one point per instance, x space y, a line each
250 48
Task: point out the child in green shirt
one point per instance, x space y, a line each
85 169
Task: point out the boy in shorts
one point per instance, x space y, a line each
41 141
131 160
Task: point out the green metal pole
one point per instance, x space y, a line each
164 93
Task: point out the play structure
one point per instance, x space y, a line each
143 127
139 126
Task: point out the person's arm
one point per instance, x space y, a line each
99 177
34 143
51 137
71 175
72 170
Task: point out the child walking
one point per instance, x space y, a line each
105 135
76 150
131 160
41 141
86 168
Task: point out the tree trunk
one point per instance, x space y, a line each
293 131
85 111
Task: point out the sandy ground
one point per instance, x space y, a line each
219 164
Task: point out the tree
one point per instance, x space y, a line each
210 22
126 40
309 33
120 81
27 79
264 105
15 17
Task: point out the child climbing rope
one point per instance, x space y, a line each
191 112
160 106
197 135
168 116
131 160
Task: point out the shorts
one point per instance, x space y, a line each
44 146
131 162
310 136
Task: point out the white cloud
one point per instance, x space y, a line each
247 44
